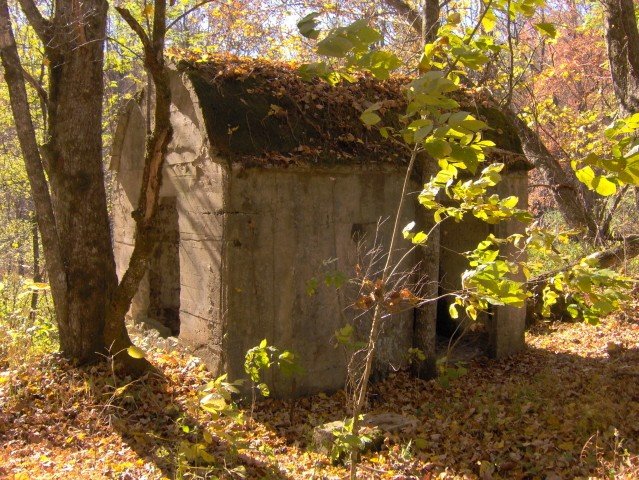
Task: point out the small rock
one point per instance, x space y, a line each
375 426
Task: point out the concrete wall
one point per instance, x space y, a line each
287 227
197 184
507 324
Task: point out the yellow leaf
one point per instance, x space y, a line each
135 352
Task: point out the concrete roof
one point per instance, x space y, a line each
260 112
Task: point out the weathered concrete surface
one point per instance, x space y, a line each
282 229
507 324
164 269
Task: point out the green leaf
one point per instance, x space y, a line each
334 46
547 29
307 25
370 118
213 402
380 63
437 148
452 311
135 352
586 176
419 238
362 32
604 187
489 21
345 334
573 310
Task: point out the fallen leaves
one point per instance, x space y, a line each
566 408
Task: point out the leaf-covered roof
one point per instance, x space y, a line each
261 112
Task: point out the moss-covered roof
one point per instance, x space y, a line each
260 112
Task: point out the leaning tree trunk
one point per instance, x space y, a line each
622 40
574 201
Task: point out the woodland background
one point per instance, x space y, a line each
566 408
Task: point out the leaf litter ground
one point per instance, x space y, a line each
568 407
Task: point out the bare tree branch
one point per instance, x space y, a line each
137 28
188 12
404 9
42 26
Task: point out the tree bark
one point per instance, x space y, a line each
37 272
74 150
573 199
156 148
71 208
622 40
427 24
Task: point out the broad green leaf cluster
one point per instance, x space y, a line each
604 174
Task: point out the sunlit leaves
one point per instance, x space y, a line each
620 166
264 356
353 44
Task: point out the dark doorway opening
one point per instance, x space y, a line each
459 339
164 269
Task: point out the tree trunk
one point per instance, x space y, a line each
425 24
74 154
622 40
574 201
72 217
33 163
37 273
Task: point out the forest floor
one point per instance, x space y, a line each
568 407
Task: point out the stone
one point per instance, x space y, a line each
376 426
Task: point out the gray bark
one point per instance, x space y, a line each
622 40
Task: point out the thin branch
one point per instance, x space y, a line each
136 27
403 8
41 25
42 93
126 47
188 12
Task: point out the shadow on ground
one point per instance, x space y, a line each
540 414
536 415
179 439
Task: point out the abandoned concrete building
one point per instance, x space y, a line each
271 183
